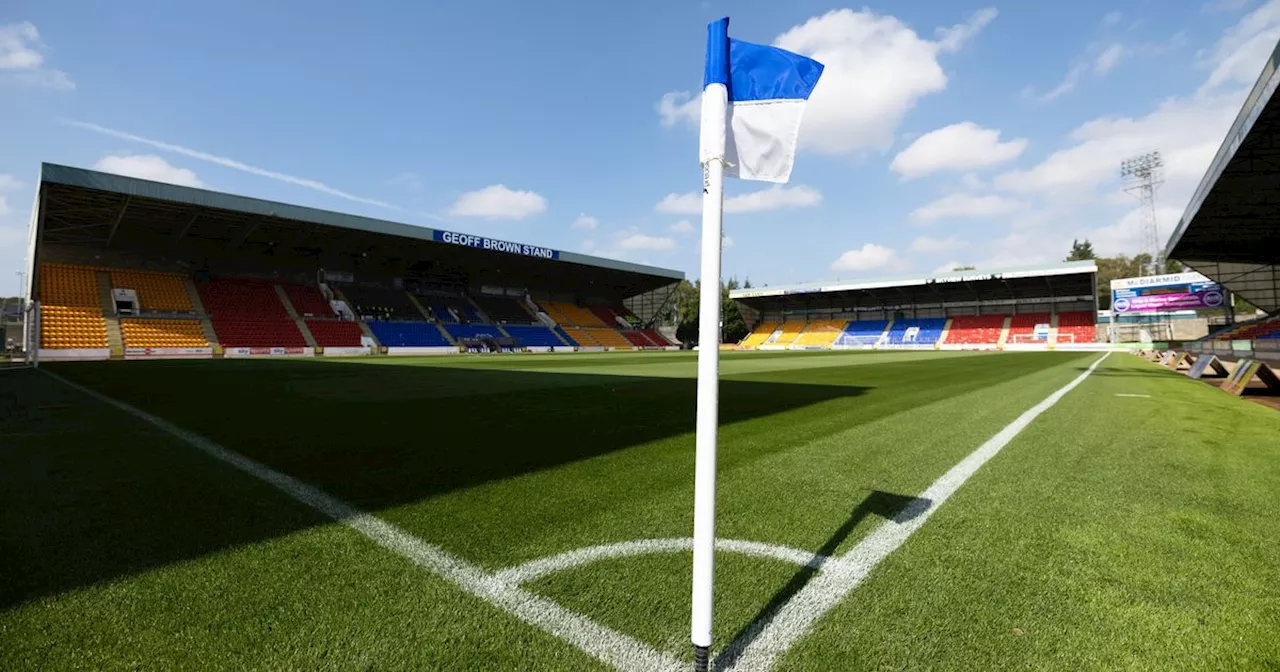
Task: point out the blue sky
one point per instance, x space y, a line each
942 132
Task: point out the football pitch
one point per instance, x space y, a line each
876 511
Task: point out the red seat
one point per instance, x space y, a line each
976 329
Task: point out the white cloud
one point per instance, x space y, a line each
682 227
22 58
931 245
232 164
497 201
1085 175
585 222
641 242
1066 85
680 106
877 68
1240 53
776 197
1112 18
962 146
964 205
726 242
970 181
1187 132
1107 59
869 257
952 38
148 167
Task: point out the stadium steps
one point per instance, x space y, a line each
884 335
115 337
445 332
297 319
946 330
475 308
1004 332
426 314
205 323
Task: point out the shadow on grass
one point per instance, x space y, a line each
886 505
89 494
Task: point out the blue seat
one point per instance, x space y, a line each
862 333
407 334
930 330
533 335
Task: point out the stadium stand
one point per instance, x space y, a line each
1267 327
609 338
335 333
638 339
473 331
1023 325
1077 326
617 317
821 333
157 292
532 335
759 335
249 314
71 314
926 331
407 334
565 335
449 310
564 312
975 329
503 309
162 333
379 303
788 332
862 333
656 337
307 301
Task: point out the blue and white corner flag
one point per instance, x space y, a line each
752 99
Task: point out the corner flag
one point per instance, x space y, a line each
752 100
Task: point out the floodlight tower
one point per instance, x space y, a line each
1142 175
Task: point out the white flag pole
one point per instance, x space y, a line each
714 114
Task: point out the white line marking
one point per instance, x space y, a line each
536 569
1139 396
769 638
621 651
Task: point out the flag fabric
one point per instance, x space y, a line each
752 100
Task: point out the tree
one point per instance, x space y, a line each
735 328
1081 251
686 302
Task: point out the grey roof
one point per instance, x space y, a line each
1248 186
1064 268
119 184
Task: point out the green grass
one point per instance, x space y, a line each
1114 532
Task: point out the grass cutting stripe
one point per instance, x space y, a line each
615 648
763 643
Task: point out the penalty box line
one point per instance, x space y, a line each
769 638
608 645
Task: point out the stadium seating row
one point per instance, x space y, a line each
71 310
156 291
250 313
162 333
1075 327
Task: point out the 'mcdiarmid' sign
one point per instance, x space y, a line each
482 243
1176 291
